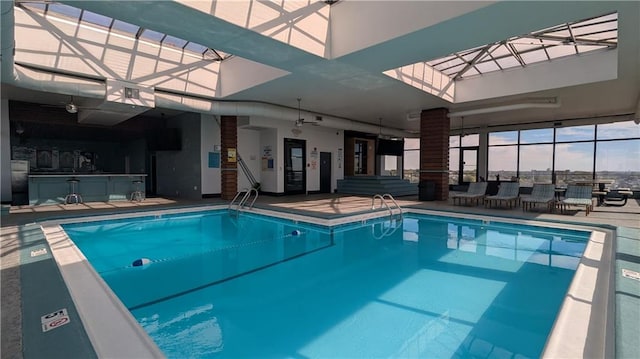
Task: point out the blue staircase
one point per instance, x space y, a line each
370 185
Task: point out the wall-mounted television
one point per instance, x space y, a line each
390 147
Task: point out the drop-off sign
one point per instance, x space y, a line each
54 320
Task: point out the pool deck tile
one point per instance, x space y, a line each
33 286
44 292
627 294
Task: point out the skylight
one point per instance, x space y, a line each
111 24
567 39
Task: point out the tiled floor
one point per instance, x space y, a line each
321 206
328 206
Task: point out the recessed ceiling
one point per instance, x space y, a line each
352 85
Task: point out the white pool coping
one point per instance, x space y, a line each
584 326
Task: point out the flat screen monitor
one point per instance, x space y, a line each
390 147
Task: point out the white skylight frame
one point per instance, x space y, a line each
568 39
122 27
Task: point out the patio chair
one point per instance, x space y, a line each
508 194
475 193
577 195
542 193
617 197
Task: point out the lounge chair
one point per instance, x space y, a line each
577 195
475 193
617 197
542 193
508 193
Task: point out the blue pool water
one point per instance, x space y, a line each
254 287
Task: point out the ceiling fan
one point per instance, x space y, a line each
462 134
301 121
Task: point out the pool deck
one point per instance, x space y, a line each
32 285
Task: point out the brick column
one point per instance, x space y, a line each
434 150
228 170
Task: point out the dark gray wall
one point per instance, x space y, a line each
137 152
178 172
109 154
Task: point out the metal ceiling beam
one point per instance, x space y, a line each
471 63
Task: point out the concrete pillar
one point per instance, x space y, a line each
434 150
229 163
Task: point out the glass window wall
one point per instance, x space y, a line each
536 163
620 161
568 154
503 162
411 158
575 133
454 165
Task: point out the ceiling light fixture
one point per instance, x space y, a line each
300 120
71 108
549 102
413 116
19 129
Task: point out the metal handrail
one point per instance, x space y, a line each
236 197
389 196
254 198
244 198
383 201
243 201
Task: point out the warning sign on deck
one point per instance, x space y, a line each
39 252
55 320
627 273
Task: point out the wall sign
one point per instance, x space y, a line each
231 155
267 151
267 158
214 159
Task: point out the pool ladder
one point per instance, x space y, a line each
246 196
384 198
393 210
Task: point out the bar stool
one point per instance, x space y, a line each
137 194
73 195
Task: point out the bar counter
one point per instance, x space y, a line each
52 188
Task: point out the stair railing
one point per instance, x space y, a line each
243 166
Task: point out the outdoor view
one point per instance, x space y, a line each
611 151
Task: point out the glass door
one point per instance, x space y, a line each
468 164
295 178
360 157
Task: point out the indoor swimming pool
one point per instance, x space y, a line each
211 284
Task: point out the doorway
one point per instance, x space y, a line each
325 172
360 157
468 165
295 174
